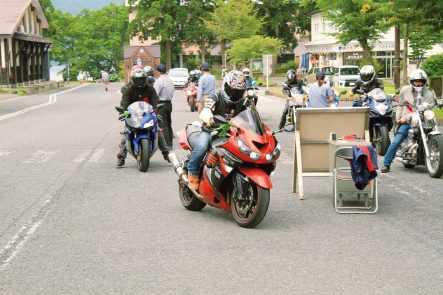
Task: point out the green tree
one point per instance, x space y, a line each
421 39
234 19
245 49
433 65
195 31
283 18
359 20
164 19
90 41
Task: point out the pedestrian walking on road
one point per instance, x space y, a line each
165 91
320 94
105 79
207 85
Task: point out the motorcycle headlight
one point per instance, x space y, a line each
268 157
250 92
429 115
255 156
243 147
298 99
189 92
148 124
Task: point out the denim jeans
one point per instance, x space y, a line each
198 153
402 133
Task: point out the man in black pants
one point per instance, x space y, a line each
165 91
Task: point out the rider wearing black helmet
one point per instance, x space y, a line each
292 80
224 102
368 80
139 90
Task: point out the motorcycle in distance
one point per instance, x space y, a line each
295 100
235 174
381 117
191 96
424 144
140 132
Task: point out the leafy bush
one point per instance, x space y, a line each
283 68
22 91
433 65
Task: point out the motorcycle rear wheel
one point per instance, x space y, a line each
434 164
188 200
380 139
250 213
145 155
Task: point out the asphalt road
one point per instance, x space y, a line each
71 223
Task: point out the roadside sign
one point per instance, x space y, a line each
257 65
267 71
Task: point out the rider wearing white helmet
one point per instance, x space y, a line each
368 80
193 77
415 92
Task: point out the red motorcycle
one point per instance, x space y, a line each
235 174
191 96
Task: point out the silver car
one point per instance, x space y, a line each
179 76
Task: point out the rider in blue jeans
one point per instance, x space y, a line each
408 95
221 103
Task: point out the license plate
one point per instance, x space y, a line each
351 84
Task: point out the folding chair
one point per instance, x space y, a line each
347 198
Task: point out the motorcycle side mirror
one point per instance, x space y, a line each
343 92
220 119
286 91
360 91
440 103
119 109
397 92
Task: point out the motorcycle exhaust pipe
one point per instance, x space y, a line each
177 167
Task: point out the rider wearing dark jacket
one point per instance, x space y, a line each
224 102
139 90
293 81
368 80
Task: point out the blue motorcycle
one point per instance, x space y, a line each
381 117
141 132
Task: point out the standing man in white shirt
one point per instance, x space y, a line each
165 91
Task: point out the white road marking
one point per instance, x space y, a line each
40 156
82 157
52 100
5 153
98 153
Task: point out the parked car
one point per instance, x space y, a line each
179 76
329 72
346 76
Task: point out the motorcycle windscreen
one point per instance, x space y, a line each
377 94
138 110
251 120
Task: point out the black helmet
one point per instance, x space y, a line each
291 75
234 86
367 74
138 78
149 70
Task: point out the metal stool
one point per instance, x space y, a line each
347 198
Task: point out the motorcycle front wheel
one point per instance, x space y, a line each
248 211
283 119
380 139
144 155
188 199
192 105
434 164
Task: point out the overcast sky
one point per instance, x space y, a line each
74 6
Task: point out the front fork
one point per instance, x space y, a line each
423 136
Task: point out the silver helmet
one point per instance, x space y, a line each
418 75
367 74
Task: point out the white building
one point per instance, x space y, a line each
325 50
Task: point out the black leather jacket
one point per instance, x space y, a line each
376 83
132 94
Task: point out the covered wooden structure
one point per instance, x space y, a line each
24 57
147 55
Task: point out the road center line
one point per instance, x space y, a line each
52 99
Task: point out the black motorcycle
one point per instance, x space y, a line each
295 100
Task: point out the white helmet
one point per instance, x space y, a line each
418 75
367 74
246 71
192 73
